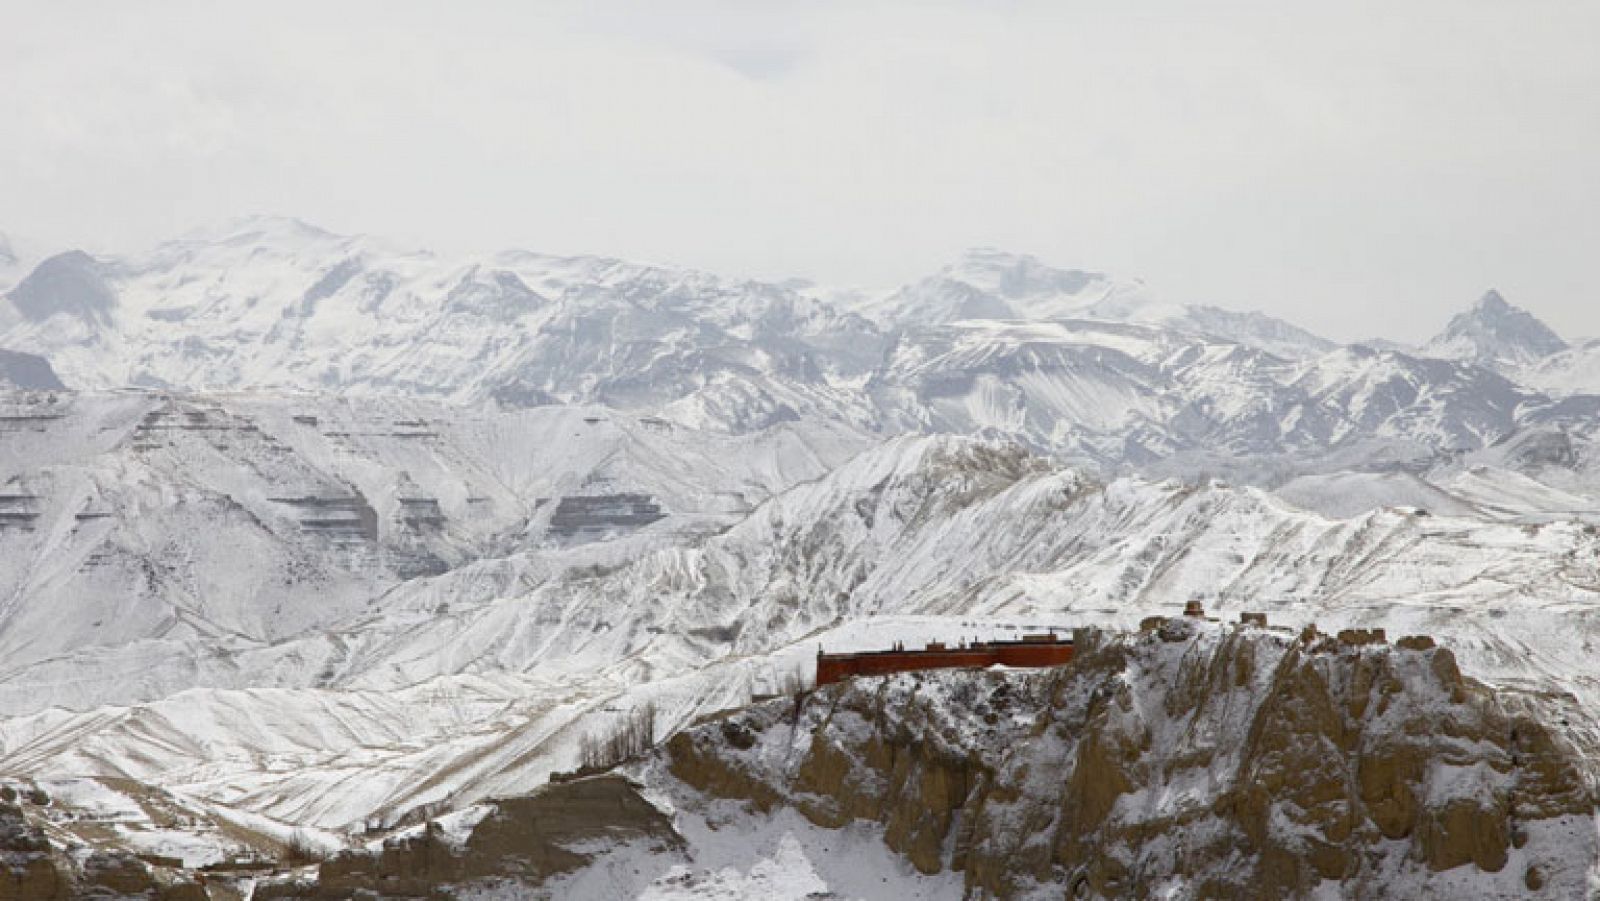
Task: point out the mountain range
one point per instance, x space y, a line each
312 536
1074 363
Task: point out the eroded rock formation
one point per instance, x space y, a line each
33 869
1193 760
520 844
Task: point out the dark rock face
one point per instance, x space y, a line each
329 285
498 295
524 842
593 515
70 283
1215 763
28 372
118 875
29 871
338 518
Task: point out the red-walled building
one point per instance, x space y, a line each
1030 651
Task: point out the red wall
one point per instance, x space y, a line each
833 668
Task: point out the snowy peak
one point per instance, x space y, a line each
991 284
996 285
1495 333
1492 303
1018 276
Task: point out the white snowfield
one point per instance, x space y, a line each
455 690
335 536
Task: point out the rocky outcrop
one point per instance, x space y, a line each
521 843
29 868
1194 760
28 372
33 869
72 283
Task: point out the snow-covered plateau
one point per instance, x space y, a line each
310 544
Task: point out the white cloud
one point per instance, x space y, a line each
1356 166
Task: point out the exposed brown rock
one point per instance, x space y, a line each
185 890
29 871
522 842
121 874
1361 636
1239 762
32 870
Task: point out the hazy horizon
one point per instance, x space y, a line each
1353 170
868 290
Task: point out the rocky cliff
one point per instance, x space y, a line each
1192 760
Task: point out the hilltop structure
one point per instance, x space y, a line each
1030 651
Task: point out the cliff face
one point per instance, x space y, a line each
1192 760
29 867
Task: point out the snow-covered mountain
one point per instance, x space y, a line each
278 304
992 284
1496 334
332 535
1072 362
932 537
1573 371
1513 342
240 522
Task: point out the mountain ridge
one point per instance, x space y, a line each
278 304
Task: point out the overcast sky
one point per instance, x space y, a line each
1360 168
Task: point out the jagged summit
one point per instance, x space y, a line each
1494 333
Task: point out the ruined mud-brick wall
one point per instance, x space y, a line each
833 668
